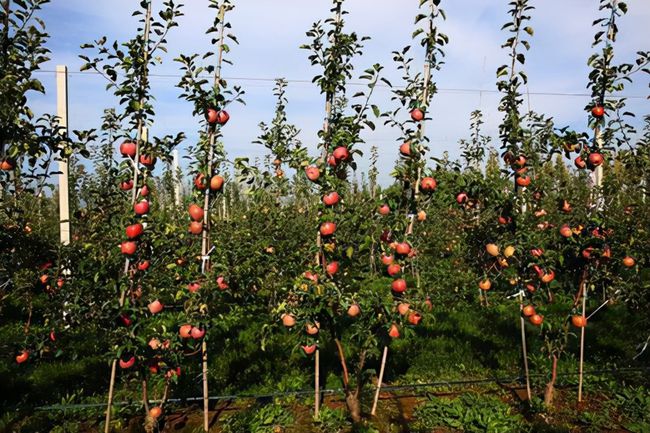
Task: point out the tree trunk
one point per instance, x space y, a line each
354 406
550 386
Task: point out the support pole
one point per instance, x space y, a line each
380 380
582 342
317 385
64 191
176 176
524 348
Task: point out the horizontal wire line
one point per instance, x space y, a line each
298 81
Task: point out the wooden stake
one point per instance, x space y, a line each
176 176
380 380
317 385
524 349
62 113
582 342
141 130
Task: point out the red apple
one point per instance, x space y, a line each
128 248
193 287
332 268
428 184
199 182
405 149
394 331
341 153
399 285
598 111
222 117
288 320
580 163
331 199
536 319
523 181
403 248
403 308
216 183
143 265
196 212
393 269
595 159
384 209
197 333
309 349
566 231
23 356
313 173
528 310
417 114
144 191
128 148
387 260
134 230
415 318
327 228
195 227
461 198
126 185
222 284
185 331
155 307
147 160
211 115
354 310
124 364
141 207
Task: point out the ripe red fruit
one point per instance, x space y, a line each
196 227
485 285
196 212
311 328
134 230
59 282
628 262
548 277
144 191
141 208
222 284
399 285
384 209
211 115
327 228
580 163
528 310
428 184
147 160
216 183
354 310
126 185
193 287
536 319
332 268
185 331
288 320
6 165
586 253
521 161
566 231
403 248
143 265
394 269
199 182
155 307
331 161
155 412
394 331
128 148
309 349
536 252
128 248
403 308
415 318
523 180
579 321
598 111
125 320
405 149
595 159
341 153
417 114
461 198
222 117
197 333
312 172
387 260
311 276
127 363
331 199
23 356
52 336
504 220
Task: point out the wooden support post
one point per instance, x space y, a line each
380 380
317 385
62 113
582 342
524 349
176 176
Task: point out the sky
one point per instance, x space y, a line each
270 33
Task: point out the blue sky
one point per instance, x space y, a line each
270 33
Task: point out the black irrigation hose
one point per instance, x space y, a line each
516 379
